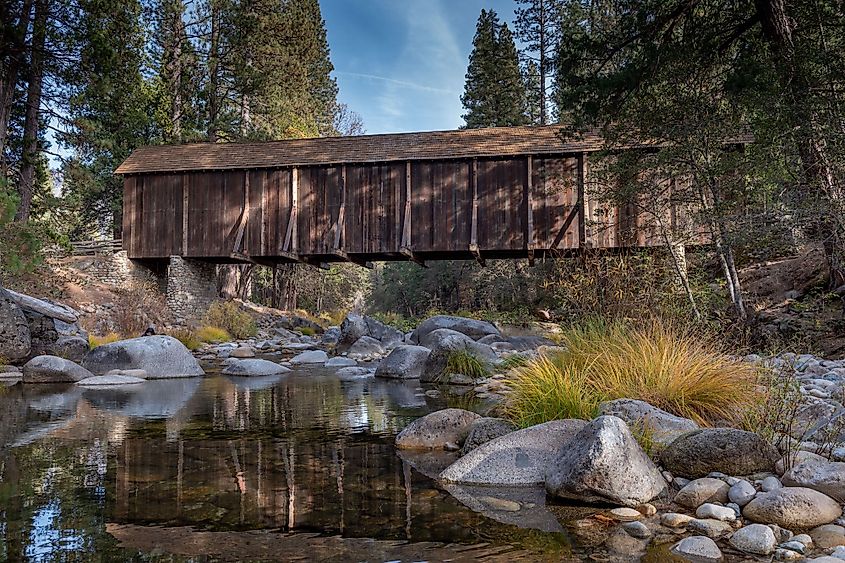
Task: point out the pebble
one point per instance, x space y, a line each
805 539
742 492
502 504
698 548
770 483
787 555
795 546
827 536
637 530
647 509
716 512
755 538
675 520
839 552
709 527
781 534
626 514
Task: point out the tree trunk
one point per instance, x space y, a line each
13 50
213 72
33 105
827 224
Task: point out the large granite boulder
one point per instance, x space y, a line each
821 475
485 429
310 357
793 508
437 430
515 459
354 327
161 356
526 343
473 328
15 342
404 362
442 342
603 463
252 367
699 491
366 348
52 369
726 450
663 427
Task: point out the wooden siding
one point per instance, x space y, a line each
502 206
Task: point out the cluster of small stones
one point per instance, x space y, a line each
191 288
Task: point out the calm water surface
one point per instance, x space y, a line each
224 468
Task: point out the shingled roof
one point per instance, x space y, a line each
465 143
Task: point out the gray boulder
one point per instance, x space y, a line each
102 380
700 549
604 463
756 538
52 369
71 347
254 367
663 427
331 337
340 362
15 342
442 343
726 450
485 429
352 328
793 508
515 459
526 343
366 348
161 356
404 362
387 335
699 491
825 476
473 328
310 357
351 373
436 430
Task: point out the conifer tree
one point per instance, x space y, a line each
537 26
494 93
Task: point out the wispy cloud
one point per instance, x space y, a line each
393 81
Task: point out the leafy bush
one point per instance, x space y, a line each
467 363
212 334
229 316
669 368
94 341
307 331
22 241
186 337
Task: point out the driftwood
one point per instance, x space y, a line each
52 310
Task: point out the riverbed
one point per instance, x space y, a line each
293 467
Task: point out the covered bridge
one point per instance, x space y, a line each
506 192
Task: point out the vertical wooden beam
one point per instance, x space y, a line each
291 243
473 237
185 211
397 209
341 214
239 237
406 229
263 209
582 201
529 208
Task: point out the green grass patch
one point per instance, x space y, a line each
212 334
467 363
669 368
306 331
512 362
94 340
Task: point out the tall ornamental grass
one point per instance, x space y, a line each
669 368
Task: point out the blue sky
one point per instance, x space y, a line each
401 63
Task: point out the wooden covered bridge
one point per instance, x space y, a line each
510 192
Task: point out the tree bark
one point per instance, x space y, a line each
14 46
826 188
33 106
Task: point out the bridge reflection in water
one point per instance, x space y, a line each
297 453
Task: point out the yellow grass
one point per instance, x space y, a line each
229 316
94 341
212 334
186 337
669 368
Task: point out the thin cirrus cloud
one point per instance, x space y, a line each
401 63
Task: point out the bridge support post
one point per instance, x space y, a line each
191 288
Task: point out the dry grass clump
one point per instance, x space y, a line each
186 337
212 334
231 318
94 341
669 368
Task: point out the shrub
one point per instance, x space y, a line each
186 337
212 334
669 368
229 316
307 331
512 361
94 341
465 362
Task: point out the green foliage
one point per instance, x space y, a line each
229 316
212 334
21 243
512 362
307 331
494 93
467 363
667 367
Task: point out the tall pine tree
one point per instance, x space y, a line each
537 26
494 93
